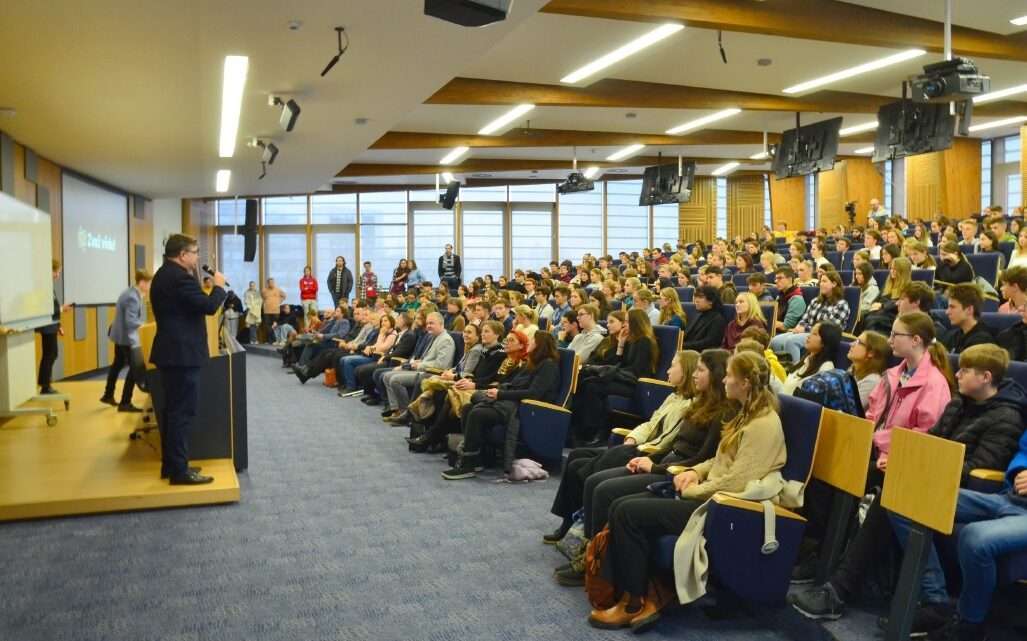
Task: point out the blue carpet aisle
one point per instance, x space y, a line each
341 534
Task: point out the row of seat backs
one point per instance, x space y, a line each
994 321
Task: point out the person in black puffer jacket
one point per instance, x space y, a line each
707 330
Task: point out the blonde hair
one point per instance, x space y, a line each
672 306
752 368
526 312
893 287
755 311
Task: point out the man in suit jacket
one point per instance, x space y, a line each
450 269
438 355
180 350
124 333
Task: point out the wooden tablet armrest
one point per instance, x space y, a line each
755 506
433 370
655 381
674 470
997 476
621 431
548 406
648 448
399 360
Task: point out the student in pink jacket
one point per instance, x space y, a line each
914 393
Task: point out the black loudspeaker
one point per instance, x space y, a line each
249 231
467 13
448 199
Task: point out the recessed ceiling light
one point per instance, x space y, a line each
998 123
1021 21
454 155
505 119
591 172
726 169
705 120
222 179
865 150
764 62
621 154
858 129
874 65
236 68
763 155
1001 93
622 52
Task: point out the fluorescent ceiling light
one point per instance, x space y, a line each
630 150
222 180
763 155
865 150
448 177
505 119
452 156
1021 21
1001 93
998 123
909 54
725 169
236 68
858 129
591 172
623 52
705 120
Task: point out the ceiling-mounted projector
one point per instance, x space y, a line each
290 112
468 13
575 182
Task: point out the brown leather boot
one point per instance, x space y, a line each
613 618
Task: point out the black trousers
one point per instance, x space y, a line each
443 422
47 359
266 320
637 522
605 487
326 359
590 418
181 396
122 359
581 464
364 374
866 550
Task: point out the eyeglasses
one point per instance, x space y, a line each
894 334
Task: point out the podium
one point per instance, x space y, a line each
219 430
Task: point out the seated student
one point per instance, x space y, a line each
525 320
1013 339
911 395
884 310
453 317
919 256
752 445
590 333
817 250
987 416
404 378
869 355
707 329
644 302
762 337
635 354
336 328
790 303
821 346
407 334
1013 285
538 379
758 286
560 296
805 277
748 313
1018 257
346 367
569 329
659 431
444 398
671 312
367 335
754 346
964 312
830 305
863 277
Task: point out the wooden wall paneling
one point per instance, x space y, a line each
79 356
925 176
696 218
24 190
788 202
961 195
1023 164
831 195
744 205
863 181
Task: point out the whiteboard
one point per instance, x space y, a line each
26 284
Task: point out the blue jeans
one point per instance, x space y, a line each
349 365
995 526
789 343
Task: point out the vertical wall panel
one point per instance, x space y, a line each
945 182
696 218
788 202
744 205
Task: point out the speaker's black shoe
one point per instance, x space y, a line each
301 373
48 390
192 470
109 400
191 478
130 408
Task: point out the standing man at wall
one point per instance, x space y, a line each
340 281
450 269
180 350
124 333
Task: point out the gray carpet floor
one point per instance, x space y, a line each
341 534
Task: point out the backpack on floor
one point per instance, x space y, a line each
329 378
600 591
834 389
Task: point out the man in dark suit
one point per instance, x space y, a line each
129 316
180 350
450 269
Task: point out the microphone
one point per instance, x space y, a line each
210 272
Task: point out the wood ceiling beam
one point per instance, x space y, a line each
824 20
565 138
611 92
478 165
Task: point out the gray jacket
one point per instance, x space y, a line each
439 354
586 342
129 316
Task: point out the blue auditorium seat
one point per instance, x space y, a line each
881 276
925 275
685 293
986 265
997 322
852 298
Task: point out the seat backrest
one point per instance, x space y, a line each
543 323
1006 249
809 293
728 312
691 313
846 260
925 275
841 357
941 318
846 276
852 298
614 304
989 305
685 293
741 280
770 314
568 376
800 429
458 342
668 340
881 276
1017 371
835 258
997 322
985 265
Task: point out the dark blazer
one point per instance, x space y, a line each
403 347
457 267
179 307
706 331
539 384
346 284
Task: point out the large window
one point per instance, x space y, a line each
285 210
721 207
230 262
985 173
811 201
328 245
231 212
665 225
581 224
383 233
533 193
433 230
1011 149
627 224
531 241
286 257
1014 192
483 194
483 240
889 178
333 209
767 217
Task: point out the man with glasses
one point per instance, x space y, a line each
180 350
590 332
450 269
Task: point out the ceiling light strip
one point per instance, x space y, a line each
995 124
1000 94
621 154
705 120
726 169
762 155
874 65
865 150
505 119
222 180
448 177
858 129
236 68
591 172
1021 21
623 52
454 155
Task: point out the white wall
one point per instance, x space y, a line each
167 220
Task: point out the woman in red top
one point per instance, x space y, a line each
308 291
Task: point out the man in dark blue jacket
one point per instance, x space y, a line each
180 350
